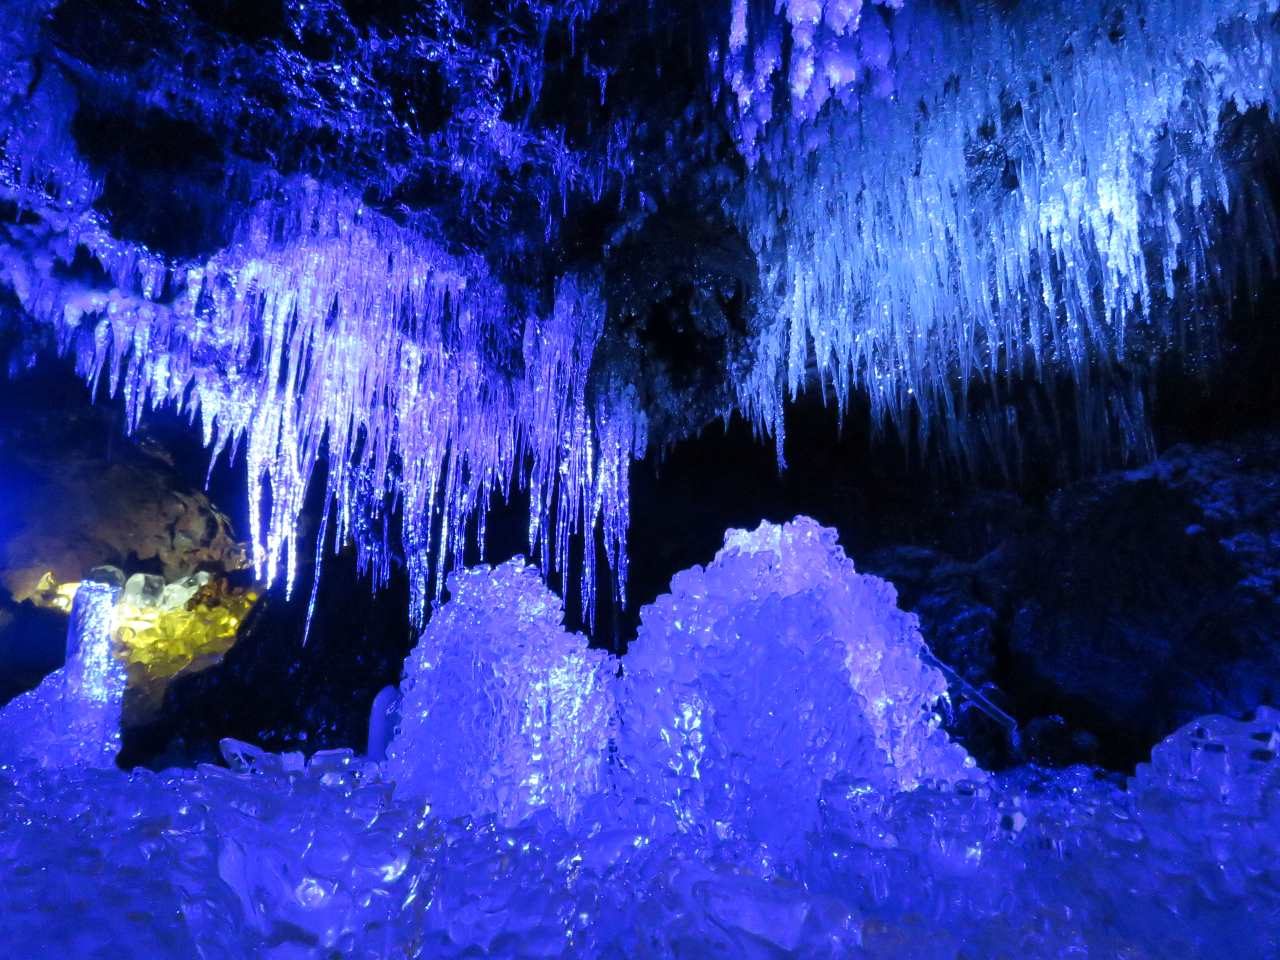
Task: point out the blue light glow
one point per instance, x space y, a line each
961 198
403 293
543 807
940 200
73 718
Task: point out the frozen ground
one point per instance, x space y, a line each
762 776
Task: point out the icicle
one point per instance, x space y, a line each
938 174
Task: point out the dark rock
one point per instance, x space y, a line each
962 632
1054 742
1145 598
281 688
32 645
79 495
1120 610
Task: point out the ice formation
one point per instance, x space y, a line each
285 857
943 200
503 711
384 717
774 670
73 717
818 51
327 330
960 196
505 825
326 327
161 630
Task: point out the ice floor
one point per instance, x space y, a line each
761 776
277 858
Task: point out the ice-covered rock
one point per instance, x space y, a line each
776 700
503 710
175 595
143 590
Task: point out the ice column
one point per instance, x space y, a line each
504 711
773 670
93 678
73 717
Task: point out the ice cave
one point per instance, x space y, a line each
640 479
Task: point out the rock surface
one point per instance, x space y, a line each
79 495
80 500
1125 605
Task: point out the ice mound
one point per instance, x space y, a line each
73 717
503 710
775 669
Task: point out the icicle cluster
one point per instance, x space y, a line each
969 196
327 327
328 332
820 50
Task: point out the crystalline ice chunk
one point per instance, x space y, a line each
503 710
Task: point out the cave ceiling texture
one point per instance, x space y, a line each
434 253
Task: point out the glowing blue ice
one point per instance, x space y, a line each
283 857
769 673
73 717
805 805
942 199
503 710
957 198
327 326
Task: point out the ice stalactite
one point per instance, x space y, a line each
807 50
328 331
957 198
943 202
327 328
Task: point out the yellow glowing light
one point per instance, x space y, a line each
158 644
53 595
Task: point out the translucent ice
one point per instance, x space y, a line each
804 805
953 197
278 857
73 717
503 710
773 670
321 322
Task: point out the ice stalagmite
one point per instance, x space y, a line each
73 717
